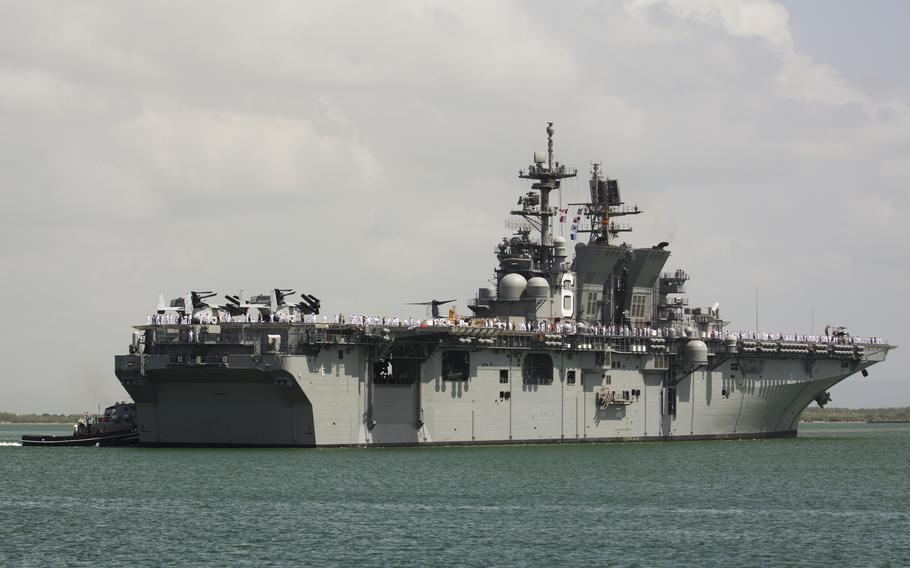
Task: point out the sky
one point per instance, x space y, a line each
367 153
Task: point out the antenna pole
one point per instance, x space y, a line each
562 227
545 238
550 145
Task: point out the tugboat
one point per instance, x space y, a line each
116 427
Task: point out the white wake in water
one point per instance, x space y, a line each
10 444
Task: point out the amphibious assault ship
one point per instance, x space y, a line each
597 343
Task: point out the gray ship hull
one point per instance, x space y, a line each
325 391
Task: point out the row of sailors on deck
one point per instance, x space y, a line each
541 326
796 337
211 318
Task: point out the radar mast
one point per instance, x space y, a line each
604 205
547 175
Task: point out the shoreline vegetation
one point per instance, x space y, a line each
833 414
813 414
44 418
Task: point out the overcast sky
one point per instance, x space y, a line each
366 152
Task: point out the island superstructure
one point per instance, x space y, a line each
596 343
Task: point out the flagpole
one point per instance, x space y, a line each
562 226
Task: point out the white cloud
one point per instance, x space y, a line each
799 76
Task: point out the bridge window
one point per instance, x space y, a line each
456 365
537 369
638 306
593 299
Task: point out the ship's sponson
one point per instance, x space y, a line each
233 344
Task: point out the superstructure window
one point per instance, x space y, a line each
593 298
504 376
567 303
456 365
638 306
537 369
570 377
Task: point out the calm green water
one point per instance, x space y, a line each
837 496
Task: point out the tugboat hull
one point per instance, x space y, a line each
120 438
124 438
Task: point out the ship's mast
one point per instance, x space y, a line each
605 204
547 175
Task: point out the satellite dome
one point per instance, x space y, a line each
538 287
512 286
697 352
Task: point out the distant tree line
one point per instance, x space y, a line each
45 418
816 414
